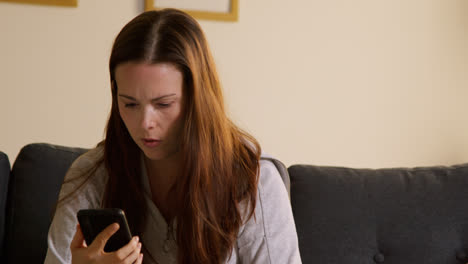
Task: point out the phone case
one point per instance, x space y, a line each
93 221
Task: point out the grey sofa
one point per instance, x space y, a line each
343 215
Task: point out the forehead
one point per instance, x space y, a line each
134 76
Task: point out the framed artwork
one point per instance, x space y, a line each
72 3
224 10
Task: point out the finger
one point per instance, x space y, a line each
101 239
140 259
126 250
133 257
78 238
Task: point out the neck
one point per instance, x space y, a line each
162 177
163 174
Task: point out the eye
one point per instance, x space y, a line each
163 105
130 105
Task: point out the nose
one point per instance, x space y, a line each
148 119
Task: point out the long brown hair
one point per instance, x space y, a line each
221 162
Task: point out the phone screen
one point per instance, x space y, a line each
93 221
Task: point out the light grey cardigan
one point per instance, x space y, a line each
269 238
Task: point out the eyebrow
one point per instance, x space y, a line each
154 99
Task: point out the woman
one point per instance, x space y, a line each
191 183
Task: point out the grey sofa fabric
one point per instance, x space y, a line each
33 190
366 216
4 176
342 215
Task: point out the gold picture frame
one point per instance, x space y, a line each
69 3
231 15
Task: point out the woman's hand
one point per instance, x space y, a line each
81 253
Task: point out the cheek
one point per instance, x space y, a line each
127 120
177 126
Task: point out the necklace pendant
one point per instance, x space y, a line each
166 246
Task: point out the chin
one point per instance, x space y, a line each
153 156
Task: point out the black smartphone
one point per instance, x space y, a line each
93 221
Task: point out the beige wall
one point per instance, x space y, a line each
359 83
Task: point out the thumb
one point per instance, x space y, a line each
78 239
101 239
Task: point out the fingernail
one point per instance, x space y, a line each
139 245
141 255
136 238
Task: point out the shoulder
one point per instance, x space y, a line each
87 160
270 236
273 174
272 201
87 173
82 189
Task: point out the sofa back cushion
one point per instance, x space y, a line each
4 176
398 215
35 182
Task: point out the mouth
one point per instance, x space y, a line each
151 142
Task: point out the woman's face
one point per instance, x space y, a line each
150 104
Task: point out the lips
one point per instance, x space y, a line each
150 142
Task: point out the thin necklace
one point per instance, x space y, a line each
169 235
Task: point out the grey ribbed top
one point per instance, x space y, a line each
269 238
